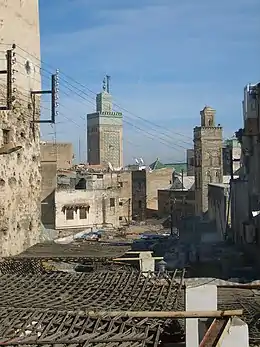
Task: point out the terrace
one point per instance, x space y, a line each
108 306
55 309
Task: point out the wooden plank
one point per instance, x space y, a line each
163 314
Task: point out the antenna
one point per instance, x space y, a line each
108 78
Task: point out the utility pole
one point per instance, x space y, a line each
172 204
128 210
79 151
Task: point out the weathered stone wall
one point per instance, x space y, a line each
20 189
62 153
20 184
208 163
157 179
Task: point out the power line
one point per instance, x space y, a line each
92 92
84 98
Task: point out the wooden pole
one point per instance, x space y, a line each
162 314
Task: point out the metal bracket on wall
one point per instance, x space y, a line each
9 80
54 97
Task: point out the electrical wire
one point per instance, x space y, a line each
92 92
84 98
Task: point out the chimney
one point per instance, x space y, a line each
198 298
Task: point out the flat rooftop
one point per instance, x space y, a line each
76 249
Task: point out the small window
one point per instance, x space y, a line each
112 202
82 213
121 184
120 203
6 136
69 214
120 218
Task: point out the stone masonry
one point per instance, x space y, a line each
105 133
207 158
20 179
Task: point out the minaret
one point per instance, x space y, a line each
20 181
104 99
207 158
105 131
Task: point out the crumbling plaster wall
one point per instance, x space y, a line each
20 184
20 179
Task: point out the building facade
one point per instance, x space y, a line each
54 157
219 208
20 178
245 191
178 200
155 180
231 151
60 152
85 208
105 133
207 157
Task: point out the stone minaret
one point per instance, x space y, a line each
20 178
105 133
207 158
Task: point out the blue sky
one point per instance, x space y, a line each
168 59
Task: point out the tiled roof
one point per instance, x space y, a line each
156 165
177 167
